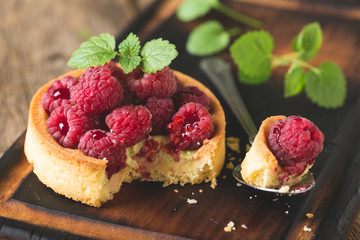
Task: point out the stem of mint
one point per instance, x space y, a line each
238 16
233 31
286 59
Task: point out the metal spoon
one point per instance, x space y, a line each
220 74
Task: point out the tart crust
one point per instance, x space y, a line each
69 172
260 167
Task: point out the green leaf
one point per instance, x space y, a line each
130 47
129 50
308 42
207 39
98 50
157 54
192 9
294 80
252 54
326 85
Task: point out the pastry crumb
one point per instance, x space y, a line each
175 190
224 176
232 158
230 227
233 144
230 165
306 229
286 212
191 201
238 184
275 199
200 190
310 215
243 226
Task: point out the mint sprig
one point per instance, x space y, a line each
98 50
324 85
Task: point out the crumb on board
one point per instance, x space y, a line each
175 190
224 176
310 215
243 226
306 229
286 212
230 227
233 143
238 184
200 190
230 165
191 201
232 158
275 199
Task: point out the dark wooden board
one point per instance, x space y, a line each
144 210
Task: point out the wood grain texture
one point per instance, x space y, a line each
33 51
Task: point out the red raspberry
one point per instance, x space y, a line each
162 110
67 124
163 83
132 123
295 142
58 93
116 71
191 94
101 144
97 91
190 126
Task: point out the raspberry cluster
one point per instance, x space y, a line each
106 110
295 142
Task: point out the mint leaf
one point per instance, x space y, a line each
157 54
326 85
255 79
208 38
130 47
98 50
192 9
309 41
129 50
252 54
294 80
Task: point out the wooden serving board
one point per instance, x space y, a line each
146 210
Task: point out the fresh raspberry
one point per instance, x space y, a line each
191 94
116 71
132 123
163 83
58 93
295 142
67 124
101 144
97 91
190 126
162 110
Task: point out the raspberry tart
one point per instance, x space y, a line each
283 151
93 129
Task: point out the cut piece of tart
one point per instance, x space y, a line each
82 178
283 151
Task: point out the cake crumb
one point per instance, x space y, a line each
230 227
310 215
233 144
286 212
306 229
250 197
224 176
192 193
238 184
200 190
275 199
243 226
175 190
232 158
230 165
191 201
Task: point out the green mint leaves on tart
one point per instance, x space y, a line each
98 50
324 85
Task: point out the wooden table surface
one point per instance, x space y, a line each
37 37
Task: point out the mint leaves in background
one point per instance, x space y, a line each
324 85
98 50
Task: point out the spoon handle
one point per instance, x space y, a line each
220 74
